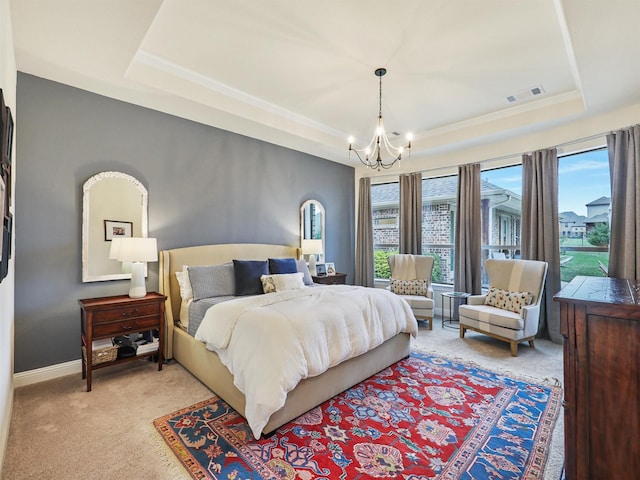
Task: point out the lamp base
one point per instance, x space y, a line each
312 264
137 289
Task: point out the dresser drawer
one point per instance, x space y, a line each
122 327
125 313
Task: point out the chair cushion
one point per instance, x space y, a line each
418 301
506 300
491 315
409 287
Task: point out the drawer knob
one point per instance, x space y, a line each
125 326
127 314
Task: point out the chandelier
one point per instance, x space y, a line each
380 143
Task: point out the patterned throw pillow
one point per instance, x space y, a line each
409 287
506 300
281 282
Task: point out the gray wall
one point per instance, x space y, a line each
205 186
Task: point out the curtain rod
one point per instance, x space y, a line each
560 145
386 178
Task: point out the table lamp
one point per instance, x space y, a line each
312 247
136 250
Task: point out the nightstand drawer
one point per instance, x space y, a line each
125 313
337 279
123 326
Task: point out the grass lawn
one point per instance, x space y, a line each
583 263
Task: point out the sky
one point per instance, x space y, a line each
582 178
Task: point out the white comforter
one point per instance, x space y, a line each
271 342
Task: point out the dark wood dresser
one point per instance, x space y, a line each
600 323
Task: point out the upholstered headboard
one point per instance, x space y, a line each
173 260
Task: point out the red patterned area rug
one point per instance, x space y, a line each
425 417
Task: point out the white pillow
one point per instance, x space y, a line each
282 281
186 292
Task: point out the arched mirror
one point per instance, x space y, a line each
312 228
114 204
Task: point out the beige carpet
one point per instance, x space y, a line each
59 431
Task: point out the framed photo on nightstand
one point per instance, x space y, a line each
321 269
331 270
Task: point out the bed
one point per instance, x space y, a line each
208 367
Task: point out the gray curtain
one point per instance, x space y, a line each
468 253
411 213
624 166
541 231
364 236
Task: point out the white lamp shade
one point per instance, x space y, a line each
137 249
115 248
311 247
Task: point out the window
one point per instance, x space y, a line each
439 224
584 198
583 203
385 204
501 213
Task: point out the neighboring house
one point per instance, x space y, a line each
595 220
500 210
597 212
572 225
598 207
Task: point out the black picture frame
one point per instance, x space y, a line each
8 221
4 158
7 136
6 248
117 229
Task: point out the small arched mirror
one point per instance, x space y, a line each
312 228
114 204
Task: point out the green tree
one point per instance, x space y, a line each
599 236
381 264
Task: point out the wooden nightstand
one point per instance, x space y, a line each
337 279
108 317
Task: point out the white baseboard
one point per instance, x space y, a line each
38 375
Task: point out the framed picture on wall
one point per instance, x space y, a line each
6 248
7 136
331 270
115 228
2 209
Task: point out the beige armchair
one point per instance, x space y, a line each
511 310
411 280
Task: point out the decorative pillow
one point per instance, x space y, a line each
281 282
506 300
247 276
409 287
304 269
186 292
282 265
212 281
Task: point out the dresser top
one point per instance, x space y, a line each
602 290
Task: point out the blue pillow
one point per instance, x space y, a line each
247 275
282 265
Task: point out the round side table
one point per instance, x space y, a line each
455 300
